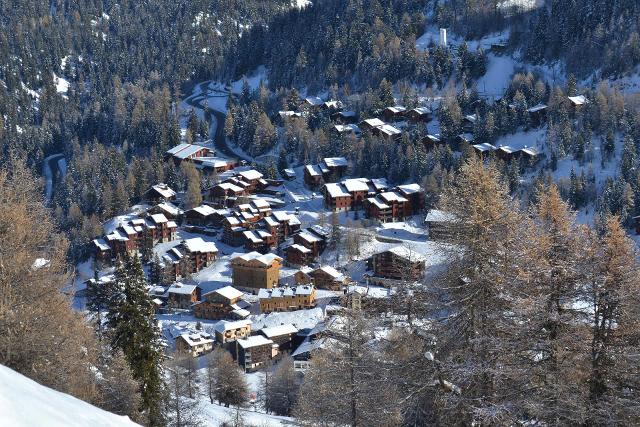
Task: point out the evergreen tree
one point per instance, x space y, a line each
133 330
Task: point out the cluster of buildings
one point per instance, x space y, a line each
157 224
329 170
202 157
375 197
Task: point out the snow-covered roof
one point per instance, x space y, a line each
471 117
254 341
185 151
375 122
331 272
300 248
204 210
252 236
378 202
169 208
392 196
181 288
101 244
197 338
211 162
468 137
197 244
260 203
308 346
285 291
396 109
241 312
313 100
507 149
251 175
333 162
356 184
164 190
335 190
578 100
379 183
347 113
389 130
422 110
159 218
531 151
228 292
309 237
350 128
406 253
313 170
278 331
409 188
333 104
230 186
266 259
225 325
484 147
177 149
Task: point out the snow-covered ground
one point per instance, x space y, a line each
25 403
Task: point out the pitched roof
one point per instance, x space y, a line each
197 244
254 341
181 288
164 190
266 259
335 161
228 292
225 325
335 190
331 272
278 331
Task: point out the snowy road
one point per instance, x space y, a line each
47 171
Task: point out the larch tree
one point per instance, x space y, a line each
612 296
193 195
486 249
133 329
42 336
551 341
345 385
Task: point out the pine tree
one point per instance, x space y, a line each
133 330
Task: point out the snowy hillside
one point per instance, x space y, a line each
25 403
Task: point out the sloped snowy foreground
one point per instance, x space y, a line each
25 403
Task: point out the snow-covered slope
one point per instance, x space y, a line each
25 403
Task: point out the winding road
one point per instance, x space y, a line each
211 115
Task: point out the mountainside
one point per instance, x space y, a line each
25 403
